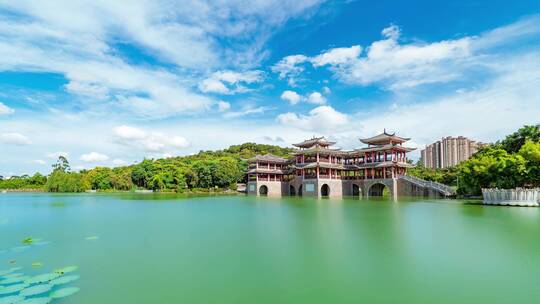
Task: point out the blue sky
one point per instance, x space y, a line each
109 83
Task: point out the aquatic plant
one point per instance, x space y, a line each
8 271
36 290
66 269
64 279
11 300
42 278
28 241
36 301
92 238
13 279
13 289
64 292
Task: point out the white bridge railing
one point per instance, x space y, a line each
512 197
442 188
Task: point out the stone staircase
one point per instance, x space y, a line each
441 188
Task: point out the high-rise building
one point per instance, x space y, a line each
448 152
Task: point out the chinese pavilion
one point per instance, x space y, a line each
317 169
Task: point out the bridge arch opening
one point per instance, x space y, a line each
356 192
300 190
292 191
325 190
263 190
380 190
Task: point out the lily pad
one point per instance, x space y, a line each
65 279
28 241
42 278
67 269
13 280
12 275
92 238
13 289
8 271
37 264
36 301
36 290
11 300
64 292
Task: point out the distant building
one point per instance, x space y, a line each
448 152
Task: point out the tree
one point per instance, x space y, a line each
60 181
494 168
513 142
62 164
530 151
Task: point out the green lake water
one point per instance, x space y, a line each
234 249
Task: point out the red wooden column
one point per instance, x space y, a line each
384 173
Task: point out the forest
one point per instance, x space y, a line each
215 170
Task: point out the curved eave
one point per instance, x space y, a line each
254 171
384 165
382 148
315 151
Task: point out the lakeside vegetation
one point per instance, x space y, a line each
205 171
509 163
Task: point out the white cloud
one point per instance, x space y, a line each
249 110
230 82
129 133
290 68
291 96
323 118
316 98
14 139
274 139
5 110
79 40
337 56
39 161
223 106
119 162
326 90
155 142
397 66
57 154
94 157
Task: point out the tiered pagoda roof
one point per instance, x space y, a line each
318 149
269 158
315 141
383 139
382 148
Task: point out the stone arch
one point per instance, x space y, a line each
263 190
292 190
377 189
325 190
356 190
